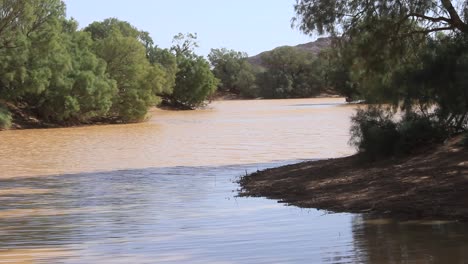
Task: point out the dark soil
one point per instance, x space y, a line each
432 184
24 118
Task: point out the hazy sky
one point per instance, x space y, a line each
252 26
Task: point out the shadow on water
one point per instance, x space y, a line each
191 214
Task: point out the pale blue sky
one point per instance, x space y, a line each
252 26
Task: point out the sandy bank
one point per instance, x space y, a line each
433 184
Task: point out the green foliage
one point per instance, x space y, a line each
78 89
379 37
194 82
290 72
49 67
167 62
417 130
336 16
110 70
184 45
28 29
235 73
20 18
336 70
138 82
439 79
246 81
376 133
111 26
5 118
391 55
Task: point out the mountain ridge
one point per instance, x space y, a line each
314 47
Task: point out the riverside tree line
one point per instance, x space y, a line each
113 72
405 57
109 70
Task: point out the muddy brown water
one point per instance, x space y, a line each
164 192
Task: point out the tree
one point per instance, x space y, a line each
290 72
184 45
235 73
20 18
382 35
411 54
139 83
337 64
78 87
48 66
332 16
437 80
25 25
167 62
247 81
194 81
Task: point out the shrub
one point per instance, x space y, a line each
418 130
5 118
374 133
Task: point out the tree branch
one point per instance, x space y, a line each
427 31
432 19
455 19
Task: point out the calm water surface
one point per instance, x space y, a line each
165 192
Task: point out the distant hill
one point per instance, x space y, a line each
314 47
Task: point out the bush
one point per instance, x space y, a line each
418 130
5 118
375 134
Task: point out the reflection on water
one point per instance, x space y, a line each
390 241
165 192
156 215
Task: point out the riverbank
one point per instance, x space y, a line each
229 96
431 184
22 118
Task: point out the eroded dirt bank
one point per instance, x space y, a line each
432 184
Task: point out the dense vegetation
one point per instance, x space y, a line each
108 71
410 58
235 73
194 80
285 72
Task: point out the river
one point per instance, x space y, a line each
164 191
